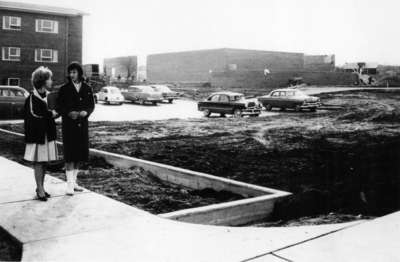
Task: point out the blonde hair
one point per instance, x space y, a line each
40 76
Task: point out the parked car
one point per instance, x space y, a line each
289 98
110 95
142 94
12 100
166 92
229 103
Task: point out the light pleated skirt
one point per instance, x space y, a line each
41 152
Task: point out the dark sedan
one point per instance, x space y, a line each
12 100
229 103
289 98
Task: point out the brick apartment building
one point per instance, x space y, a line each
33 35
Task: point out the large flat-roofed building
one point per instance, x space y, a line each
121 68
198 66
33 35
319 63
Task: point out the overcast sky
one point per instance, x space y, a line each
354 30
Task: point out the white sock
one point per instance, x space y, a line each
76 171
69 174
70 181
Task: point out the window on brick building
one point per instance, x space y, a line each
12 81
46 55
11 23
46 26
11 53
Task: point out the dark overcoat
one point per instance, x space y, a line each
38 121
75 133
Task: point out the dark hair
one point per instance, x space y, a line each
75 66
40 76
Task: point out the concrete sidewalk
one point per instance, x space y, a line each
92 227
376 240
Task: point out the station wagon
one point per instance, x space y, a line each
289 98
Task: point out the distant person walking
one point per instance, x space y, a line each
75 103
40 129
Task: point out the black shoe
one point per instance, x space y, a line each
41 198
47 194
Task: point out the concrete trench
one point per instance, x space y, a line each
259 203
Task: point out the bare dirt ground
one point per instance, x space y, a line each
343 162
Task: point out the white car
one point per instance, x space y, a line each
166 92
142 94
110 95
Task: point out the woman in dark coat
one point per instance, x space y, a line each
75 103
40 129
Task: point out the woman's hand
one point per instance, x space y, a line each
55 114
73 115
83 114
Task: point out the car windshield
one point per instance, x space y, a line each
146 89
162 88
114 91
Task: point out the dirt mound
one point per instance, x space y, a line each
391 115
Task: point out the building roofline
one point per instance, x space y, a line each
119 57
224 49
355 65
42 9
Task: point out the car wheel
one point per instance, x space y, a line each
237 113
154 103
106 101
141 101
255 115
283 109
313 109
206 112
268 107
222 114
297 108
170 101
